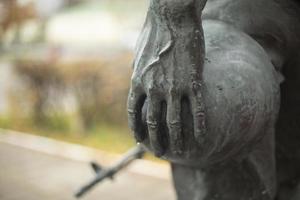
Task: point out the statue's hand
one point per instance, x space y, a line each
167 70
165 85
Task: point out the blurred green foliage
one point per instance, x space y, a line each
99 89
5 122
57 123
103 136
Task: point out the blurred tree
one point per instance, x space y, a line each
13 15
44 82
100 88
87 85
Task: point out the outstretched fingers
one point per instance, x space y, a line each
174 124
153 122
198 111
135 103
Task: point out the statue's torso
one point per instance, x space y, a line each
276 23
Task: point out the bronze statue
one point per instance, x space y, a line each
208 94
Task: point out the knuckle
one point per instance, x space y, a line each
194 72
174 124
196 86
131 112
200 113
152 124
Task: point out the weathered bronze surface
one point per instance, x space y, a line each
215 90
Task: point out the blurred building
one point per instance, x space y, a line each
106 24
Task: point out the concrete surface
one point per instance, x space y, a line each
28 174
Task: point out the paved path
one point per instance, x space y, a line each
31 175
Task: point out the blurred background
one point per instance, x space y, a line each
65 68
